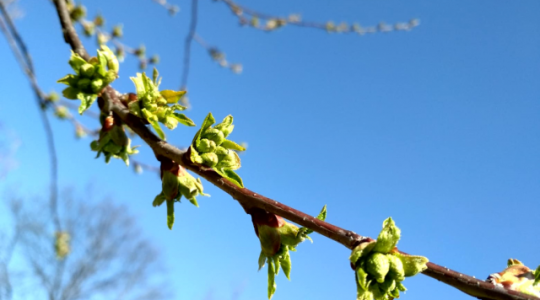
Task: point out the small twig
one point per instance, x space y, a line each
21 52
188 42
275 22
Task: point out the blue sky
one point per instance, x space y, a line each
438 127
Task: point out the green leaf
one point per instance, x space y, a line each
194 156
233 177
322 214
157 128
536 276
71 93
172 96
208 121
69 79
159 200
170 213
361 278
286 263
262 260
232 145
139 84
193 201
86 101
362 250
102 59
388 238
155 75
412 264
277 265
271 279
75 61
183 119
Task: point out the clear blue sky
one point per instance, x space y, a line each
438 127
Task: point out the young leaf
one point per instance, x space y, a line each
183 119
536 276
412 264
233 177
286 263
170 213
262 260
157 128
208 121
172 96
232 145
277 264
271 279
388 238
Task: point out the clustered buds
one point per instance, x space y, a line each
90 77
113 141
210 147
518 277
155 106
380 267
61 244
177 182
277 237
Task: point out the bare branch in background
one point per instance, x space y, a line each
109 258
188 41
171 8
249 17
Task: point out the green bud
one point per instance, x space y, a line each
95 146
221 152
215 135
53 97
210 159
110 76
112 61
361 278
388 285
77 13
75 61
289 235
170 185
71 93
231 161
112 148
87 70
377 265
396 270
206 145
117 31
362 250
412 264
388 238
118 136
97 85
270 239
61 112
99 20
83 84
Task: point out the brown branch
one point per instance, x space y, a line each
249 199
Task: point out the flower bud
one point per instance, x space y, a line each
206 145
377 265
61 112
214 135
110 76
388 285
75 61
87 70
83 84
210 159
117 31
118 136
266 227
97 85
289 234
396 270
112 148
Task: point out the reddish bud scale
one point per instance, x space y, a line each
108 124
173 167
261 217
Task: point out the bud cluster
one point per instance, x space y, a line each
175 183
155 106
277 237
211 148
113 141
380 268
90 77
61 244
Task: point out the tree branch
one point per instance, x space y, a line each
249 199
188 42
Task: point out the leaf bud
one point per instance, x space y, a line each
83 84
210 159
377 265
215 135
396 270
170 185
97 85
61 112
206 145
231 161
117 31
